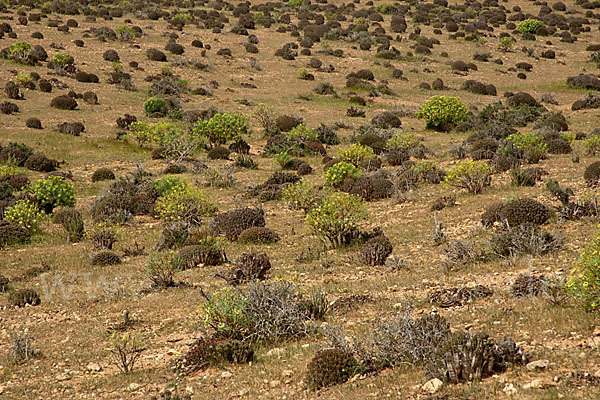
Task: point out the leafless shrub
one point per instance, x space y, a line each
395 262
248 267
21 347
126 349
219 177
460 253
525 239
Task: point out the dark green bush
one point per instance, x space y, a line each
231 223
105 257
103 174
23 297
330 367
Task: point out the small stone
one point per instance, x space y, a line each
62 377
1 389
94 367
537 365
273 384
287 373
226 374
134 386
172 352
432 386
509 389
597 331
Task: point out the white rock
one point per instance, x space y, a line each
62 377
538 364
509 389
273 384
94 367
534 384
134 386
276 352
1 389
287 373
432 386
226 374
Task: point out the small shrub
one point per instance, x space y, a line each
375 251
330 367
338 173
506 43
403 141
51 192
303 132
209 251
222 128
516 212
21 347
231 223
592 145
155 105
248 267
356 154
245 161
226 312
184 203
584 280
103 236
529 25
301 195
72 221
443 112
471 175
11 234
126 349
24 297
25 214
105 257
216 351
103 174
258 235
337 218
528 285
524 239
160 269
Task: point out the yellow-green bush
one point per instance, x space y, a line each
584 280
184 203
356 153
337 173
26 214
444 112
470 175
222 128
403 141
337 218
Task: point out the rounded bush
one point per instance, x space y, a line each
336 174
530 25
470 175
51 192
444 113
105 257
12 233
222 128
584 280
24 213
356 154
103 174
330 367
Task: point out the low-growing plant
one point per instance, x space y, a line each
24 79
301 195
226 312
471 175
403 141
303 132
584 280
51 192
592 145
444 112
530 25
506 43
103 236
184 203
62 59
155 105
283 159
125 33
337 218
160 269
166 184
524 141
222 128
266 118
21 347
126 349
356 153
26 214
245 161
337 173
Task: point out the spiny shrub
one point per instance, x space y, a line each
184 203
248 267
103 174
376 250
216 351
24 297
105 257
443 112
584 280
530 25
339 172
337 218
525 239
160 269
222 128
528 285
516 212
12 234
208 251
258 235
471 175
26 214
231 223
72 221
356 154
52 192
330 367
468 357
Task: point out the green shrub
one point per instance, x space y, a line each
142 132
303 132
53 191
357 153
506 43
592 145
155 105
160 269
283 159
125 33
525 141
166 184
337 218
245 161
222 128
403 141
295 3
301 195
226 312
24 79
62 59
337 173
25 214
184 203
470 175
530 25
584 280
21 52
443 112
